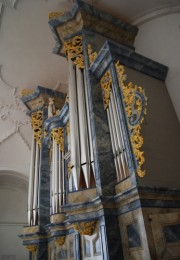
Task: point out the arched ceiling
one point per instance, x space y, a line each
26 58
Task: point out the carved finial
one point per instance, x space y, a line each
51 108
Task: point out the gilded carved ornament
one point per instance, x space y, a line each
54 15
36 123
32 248
74 50
26 92
106 80
85 228
69 169
135 105
92 54
60 241
58 135
106 85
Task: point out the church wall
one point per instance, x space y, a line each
13 205
160 131
159 39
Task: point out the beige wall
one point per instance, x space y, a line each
161 132
13 215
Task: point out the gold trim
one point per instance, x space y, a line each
106 80
32 248
36 123
133 104
58 135
60 241
74 50
92 54
54 15
106 85
26 92
85 228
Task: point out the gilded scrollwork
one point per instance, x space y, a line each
32 248
60 241
36 123
58 135
135 106
54 15
74 50
91 54
85 228
106 85
26 92
106 80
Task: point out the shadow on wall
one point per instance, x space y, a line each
13 214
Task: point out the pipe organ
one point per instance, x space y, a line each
87 198
33 196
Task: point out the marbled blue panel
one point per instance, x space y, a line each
62 254
44 192
171 233
159 190
133 234
112 52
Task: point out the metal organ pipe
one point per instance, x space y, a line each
123 153
74 133
120 147
84 145
88 122
112 142
31 186
56 173
53 173
36 185
115 134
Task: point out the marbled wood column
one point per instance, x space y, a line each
111 239
77 247
44 198
105 172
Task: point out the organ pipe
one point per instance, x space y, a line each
83 132
74 133
31 179
36 185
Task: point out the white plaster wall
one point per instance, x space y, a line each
159 39
13 215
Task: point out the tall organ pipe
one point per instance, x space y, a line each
88 122
74 133
112 142
115 134
36 186
53 171
85 159
123 152
31 179
56 173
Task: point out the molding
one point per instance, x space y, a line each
154 14
12 224
111 52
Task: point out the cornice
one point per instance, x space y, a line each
85 17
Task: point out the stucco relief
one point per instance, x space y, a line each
12 112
